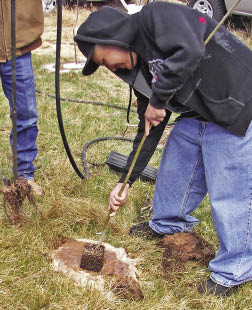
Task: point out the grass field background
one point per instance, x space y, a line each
76 208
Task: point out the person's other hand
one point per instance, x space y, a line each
153 117
115 201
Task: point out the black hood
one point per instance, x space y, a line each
107 26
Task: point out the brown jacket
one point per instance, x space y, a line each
29 27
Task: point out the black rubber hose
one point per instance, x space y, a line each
86 101
57 89
94 141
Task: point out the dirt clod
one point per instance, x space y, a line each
15 193
183 247
92 257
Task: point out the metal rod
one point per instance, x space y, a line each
221 21
76 22
103 233
14 99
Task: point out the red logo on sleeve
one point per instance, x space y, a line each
202 20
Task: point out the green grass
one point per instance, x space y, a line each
76 208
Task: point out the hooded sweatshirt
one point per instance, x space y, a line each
213 81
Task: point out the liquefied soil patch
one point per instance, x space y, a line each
118 269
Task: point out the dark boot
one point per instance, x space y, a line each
144 230
210 287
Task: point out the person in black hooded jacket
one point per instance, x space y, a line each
208 150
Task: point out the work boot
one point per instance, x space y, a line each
35 187
210 287
144 230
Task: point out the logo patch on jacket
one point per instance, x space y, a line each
155 66
202 20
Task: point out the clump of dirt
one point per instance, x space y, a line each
15 193
183 247
92 257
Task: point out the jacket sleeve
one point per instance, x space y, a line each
149 145
178 34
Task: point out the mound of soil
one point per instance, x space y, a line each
183 247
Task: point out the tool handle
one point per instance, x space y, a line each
221 22
132 164
103 233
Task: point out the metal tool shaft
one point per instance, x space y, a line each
103 233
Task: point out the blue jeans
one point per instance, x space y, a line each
201 157
27 129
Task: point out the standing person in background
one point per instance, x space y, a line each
209 148
29 28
